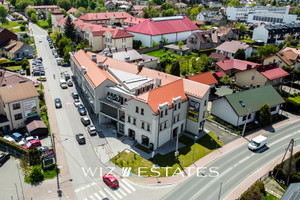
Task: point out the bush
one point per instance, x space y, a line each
25 35
9 63
206 51
44 108
36 175
22 28
14 146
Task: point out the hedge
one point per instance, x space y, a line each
8 64
206 51
14 146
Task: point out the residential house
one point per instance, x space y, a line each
108 18
206 78
6 35
9 78
42 10
228 32
214 4
260 76
106 37
235 108
230 48
239 13
207 15
219 19
16 49
280 58
175 49
56 19
149 106
180 5
73 11
18 102
174 29
271 18
232 66
205 40
276 33
109 5
218 57
131 21
199 23
131 56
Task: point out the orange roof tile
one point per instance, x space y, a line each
95 75
206 78
163 94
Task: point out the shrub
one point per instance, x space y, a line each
44 108
14 146
22 28
36 174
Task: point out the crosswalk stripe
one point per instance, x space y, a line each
128 185
77 190
91 197
93 183
124 187
97 196
122 192
110 194
117 193
102 193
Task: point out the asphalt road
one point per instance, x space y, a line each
234 167
81 157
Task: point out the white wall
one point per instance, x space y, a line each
145 39
231 13
223 110
183 35
260 33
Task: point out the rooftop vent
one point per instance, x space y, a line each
105 53
140 66
100 65
94 58
158 82
127 59
84 69
86 49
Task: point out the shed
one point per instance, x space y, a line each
35 126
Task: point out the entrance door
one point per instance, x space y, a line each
175 130
131 134
145 140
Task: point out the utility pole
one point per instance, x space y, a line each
194 148
244 128
57 177
177 152
220 190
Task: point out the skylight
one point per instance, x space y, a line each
242 103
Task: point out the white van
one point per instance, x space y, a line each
63 84
257 142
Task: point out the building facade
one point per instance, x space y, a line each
150 107
271 18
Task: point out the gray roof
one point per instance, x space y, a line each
147 58
222 91
173 46
253 99
292 193
132 54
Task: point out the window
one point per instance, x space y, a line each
165 124
204 112
244 118
129 119
166 112
142 111
179 105
148 127
205 102
137 109
16 106
273 109
252 78
175 108
18 116
134 121
143 125
160 127
249 116
161 114
124 40
177 117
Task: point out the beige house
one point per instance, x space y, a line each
18 102
286 57
106 37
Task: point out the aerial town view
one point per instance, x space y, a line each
150 100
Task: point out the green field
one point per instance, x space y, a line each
43 23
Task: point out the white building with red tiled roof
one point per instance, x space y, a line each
109 18
149 106
42 9
174 29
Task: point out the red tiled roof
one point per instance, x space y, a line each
220 57
56 12
72 10
95 75
235 64
103 16
295 50
219 74
206 78
190 87
134 20
163 94
150 27
98 30
272 72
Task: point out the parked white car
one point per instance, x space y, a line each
7 137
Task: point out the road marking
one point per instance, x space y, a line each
116 193
77 190
93 183
97 196
235 165
102 194
110 194
123 186
85 199
122 192
243 160
91 197
82 188
128 185
88 186
226 171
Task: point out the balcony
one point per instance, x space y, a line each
109 111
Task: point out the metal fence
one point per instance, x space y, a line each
10 150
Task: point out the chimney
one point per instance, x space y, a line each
105 53
158 82
125 49
100 65
186 77
127 59
140 66
94 58
86 49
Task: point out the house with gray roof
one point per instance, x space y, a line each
230 48
233 108
220 19
207 15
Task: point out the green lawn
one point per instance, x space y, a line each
12 24
270 197
203 146
159 53
295 99
43 23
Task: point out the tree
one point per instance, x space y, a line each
216 24
81 9
175 69
65 4
240 54
24 164
3 15
49 20
30 11
22 4
180 44
36 175
137 44
166 6
83 44
69 28
234 3
35 157
168 58
22 28
63 42
93 5
34 18
154 44
226 80
264 51
263 116
164 40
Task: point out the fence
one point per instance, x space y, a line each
10 150
146 50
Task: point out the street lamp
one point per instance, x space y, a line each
176 152
194 148
220 190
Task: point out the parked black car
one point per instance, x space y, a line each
57 102
75 95
80 138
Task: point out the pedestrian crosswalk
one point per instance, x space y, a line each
124 190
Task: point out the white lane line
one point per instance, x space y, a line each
123 186
122 192
77 190
93 183
244 159
88 186
102 194
117 193
82 188
235 165
106 190
97 196
91 197
85 199
132 188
